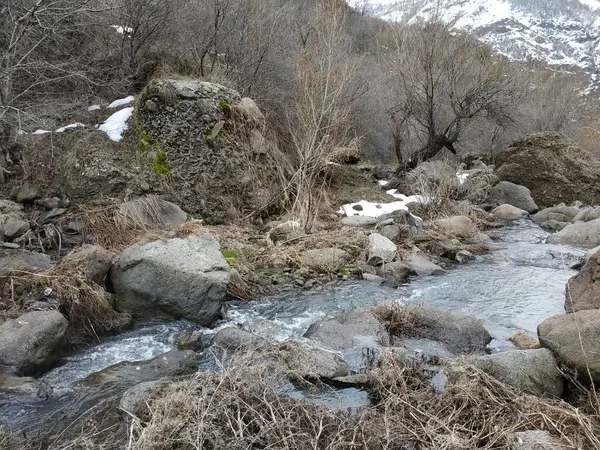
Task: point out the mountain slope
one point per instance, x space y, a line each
560 32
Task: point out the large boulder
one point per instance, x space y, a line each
354 329
509 193
328 258
553 167
92 261
581 234
309 361
178 277
201 134
560 213
234 338
20 262
508 212
152 212
573 338
380 250
583 290
532 371
32 342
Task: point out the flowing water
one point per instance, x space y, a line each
515 287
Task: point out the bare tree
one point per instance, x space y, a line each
443 82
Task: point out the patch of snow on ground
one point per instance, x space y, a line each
121 102
462 176
69 127
94 108
383 183
116 124
372 209
41 132
122 30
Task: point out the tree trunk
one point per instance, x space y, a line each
428 151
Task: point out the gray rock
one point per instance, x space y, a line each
309 361
152 212
23 387
459 226
234 338
395 273
134 399
391 232
573 338
375 279
583 290
248 108
508 212
380 250
582 234
480 239
516 195
179 277
190 340
587 214
543 216
28 193
359 221
92 261
462 256
286 231
462 334
32 342
422 266
329 258
10 211
15 228
591 252
555 225
354 329
532 371
49 215
536 440
50 203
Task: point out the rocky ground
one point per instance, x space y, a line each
71 272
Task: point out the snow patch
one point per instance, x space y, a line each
122 30
94 108
462 177
116 124
383 183
121 102
372 209
69 127
41 132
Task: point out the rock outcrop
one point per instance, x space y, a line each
509 193
582 234
583 290
508 212
553 167
184 278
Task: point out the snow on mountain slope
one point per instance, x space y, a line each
560 32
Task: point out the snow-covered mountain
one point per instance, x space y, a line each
560 32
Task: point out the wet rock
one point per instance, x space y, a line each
553 167
359 221
380 250
480 239
18 262
395 273
459 226
354 329
328 259
170 364
583 234
587 214
566 212
573 338
516 195
310 362
10 211
524 341
28 193
463 256
92 261
375 279
583 290
461 334
591 252
152 212
32 342
15 228
532 371
134 399
234 338
555 225
23 387
422 266
536 440
508 212
178 277
190 340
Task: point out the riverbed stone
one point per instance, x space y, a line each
509 212
573 338
184 278
395 273
19 262
459 226
190 340
354 329
23 387
569 213
532 371
308 361
134 399
390 231
15 228
581 234
328 258
380 250
587 214
516 195
375 279
524 341
234 338
32 342
152 212
583 290
92 261
359 221
421 265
